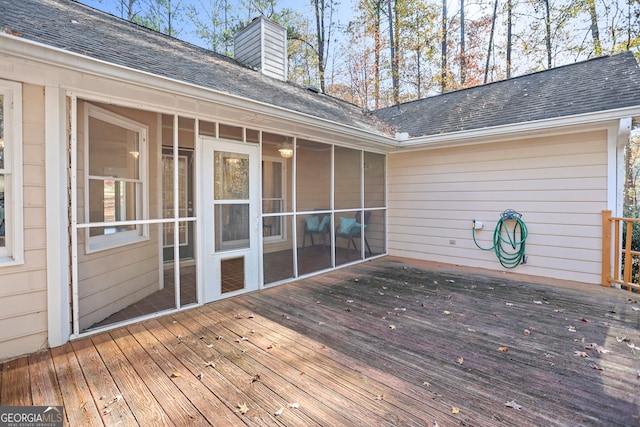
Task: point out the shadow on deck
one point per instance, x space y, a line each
386 342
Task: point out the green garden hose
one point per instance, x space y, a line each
508 246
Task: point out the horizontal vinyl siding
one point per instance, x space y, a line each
23 292
559 185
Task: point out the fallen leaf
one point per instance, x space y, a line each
460 360
176 375
622 339
538 302
582 319
106 411
209 345
558 310
380 397
513 404
455 410
200 376
255 378
272 346
349 301
392 326
294 405
526 332
509 304
279 412
596 367
503 348
219 337
571 328
243 408
447 312
471 330
251 316
635 308
426 383
580 353
211 364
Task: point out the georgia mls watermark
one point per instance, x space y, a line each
31 416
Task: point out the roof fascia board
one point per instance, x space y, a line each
569 124
48 55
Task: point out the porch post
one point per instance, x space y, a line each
606 247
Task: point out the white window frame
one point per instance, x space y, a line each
13 251
281 215
141 233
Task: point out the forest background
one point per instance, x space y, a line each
377 53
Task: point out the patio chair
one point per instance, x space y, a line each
351 229
313 225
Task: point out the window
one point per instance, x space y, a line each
116 154
273 174
11 244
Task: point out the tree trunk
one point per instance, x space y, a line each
443 72
595 33
393 53
509 38
547 24
377 50
320 34
493 26
463 62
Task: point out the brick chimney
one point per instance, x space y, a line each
262 45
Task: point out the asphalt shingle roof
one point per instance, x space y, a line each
600 84
78 28
604 83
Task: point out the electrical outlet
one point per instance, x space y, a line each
452 242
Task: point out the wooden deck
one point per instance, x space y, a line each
389 342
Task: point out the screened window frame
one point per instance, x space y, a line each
12 253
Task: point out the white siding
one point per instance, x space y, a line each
23 292
559 184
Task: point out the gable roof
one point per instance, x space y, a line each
77 28
599 84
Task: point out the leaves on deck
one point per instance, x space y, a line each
176 375
294 405
513 404
107 406
242 408
255 378
279 412
460 360
580 353
455 410
503 348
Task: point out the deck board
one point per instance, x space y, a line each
390 342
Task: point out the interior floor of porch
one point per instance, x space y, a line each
385 342
278 266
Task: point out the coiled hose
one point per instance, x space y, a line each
508 248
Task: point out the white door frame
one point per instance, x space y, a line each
211 258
